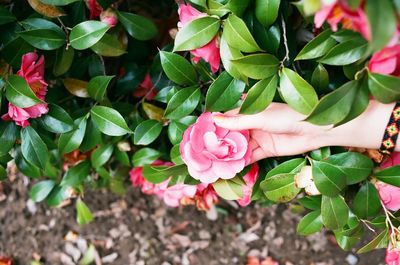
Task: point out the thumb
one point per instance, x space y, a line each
238 122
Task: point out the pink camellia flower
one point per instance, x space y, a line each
339 12
392 254
212 152
32 70
393 160
250 179
109 16
94 8
390 195
386 61
209 52
146 89
172 195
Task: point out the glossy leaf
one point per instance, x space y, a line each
42 34
381 241
158 174
229 189
101 155
317 47
86 34
320 78
224 93
109 121
71 141
6 16
267 11
76 174
390 175
280 187
346 53
145 156
257 66
297 93
310 224
63 62
335 106
33 148
57 120
196 33
334 211
259 96
8 136
137 26
228 54
41 190
59 2
367 202
109 46
97 86
176 128
147 131
329 180
238 35
83 213
177 68
19 93
183 103
385 88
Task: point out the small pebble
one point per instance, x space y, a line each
351 259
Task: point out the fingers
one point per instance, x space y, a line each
258 154
239 122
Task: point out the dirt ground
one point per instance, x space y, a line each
138 229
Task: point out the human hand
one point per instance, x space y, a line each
277 131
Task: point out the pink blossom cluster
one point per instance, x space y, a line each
32 70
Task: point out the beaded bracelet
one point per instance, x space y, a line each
392 131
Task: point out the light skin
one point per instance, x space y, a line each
281 131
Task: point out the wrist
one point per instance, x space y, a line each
365 131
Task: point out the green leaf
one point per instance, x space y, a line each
329 180
58 2
257 66
176 128
183 103
176 155
311 202
310 224
158 174
58 195
101 155
145 156
41 190
19 93
137 26
33 148
25 167
381 241
91 138
320 78
334 211
122 157
267 11
384 88
57 120
13 51
83 213
366 202
196 33
97 86
346 53
87 33
42 34
109 46
8 136
109 121
177 68
280 187
348 242
321 153
383 28
229 189
317 47
355 166
335 106
228 54
224 93
297 93
390 175
64 59
259 96
238 35
291 166
71 141
147 131
3 173
76 174
6 16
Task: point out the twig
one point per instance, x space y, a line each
394 230
285 42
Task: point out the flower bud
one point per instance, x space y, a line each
109 16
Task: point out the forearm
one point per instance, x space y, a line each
366 131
